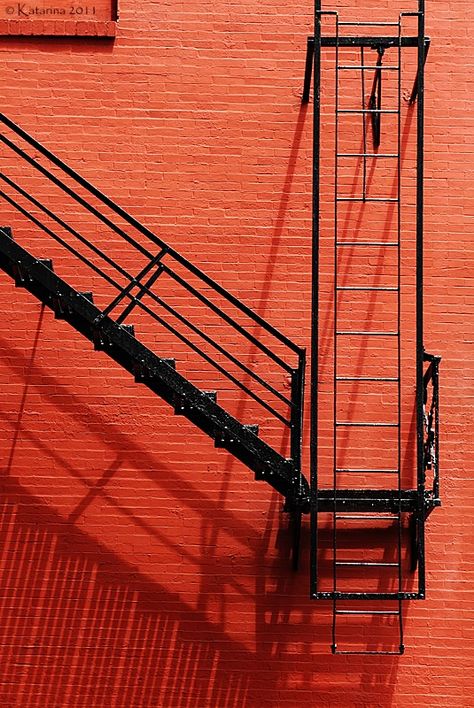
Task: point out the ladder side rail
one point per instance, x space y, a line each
419 289
419 298
335 343
315 238
399 330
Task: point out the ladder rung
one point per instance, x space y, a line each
343 424
364 288
365 596
368 564
369 68
363 517
359 111
352 41
379 653
368 612
367 334
367 199
367 243
367 378
368 154
368 24
349 470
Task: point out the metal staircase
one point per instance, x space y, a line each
106 325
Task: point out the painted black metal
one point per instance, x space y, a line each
140 228
420 522
372 42
377 652
414 92
296 440
308 69
161 259
155 372
431 419
365 596
364 129
314 412
375 99
373 500
369 504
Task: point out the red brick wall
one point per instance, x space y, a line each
140 566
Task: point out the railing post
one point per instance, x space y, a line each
297 399
296 439
436 399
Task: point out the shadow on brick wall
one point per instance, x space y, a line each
84 627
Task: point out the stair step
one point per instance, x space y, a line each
20 275
143 374
99 341
58 307
222 438
212 395
88 295
182 404
46 262
129 328
7 231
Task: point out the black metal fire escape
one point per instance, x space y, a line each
152 279
139 273
361 549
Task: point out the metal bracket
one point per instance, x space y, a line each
308 70
375 100
371 42
21 274
414 92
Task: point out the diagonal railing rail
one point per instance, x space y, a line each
132 290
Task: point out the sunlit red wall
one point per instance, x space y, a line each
139 565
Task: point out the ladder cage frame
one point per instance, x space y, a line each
417 502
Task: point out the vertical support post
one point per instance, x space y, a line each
315 297
436 396
420 522
364 124
297 399
335 361
399 314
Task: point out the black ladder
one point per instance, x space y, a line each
342 338
359 558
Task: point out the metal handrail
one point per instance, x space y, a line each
144 231
163 261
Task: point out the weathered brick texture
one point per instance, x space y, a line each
139 565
